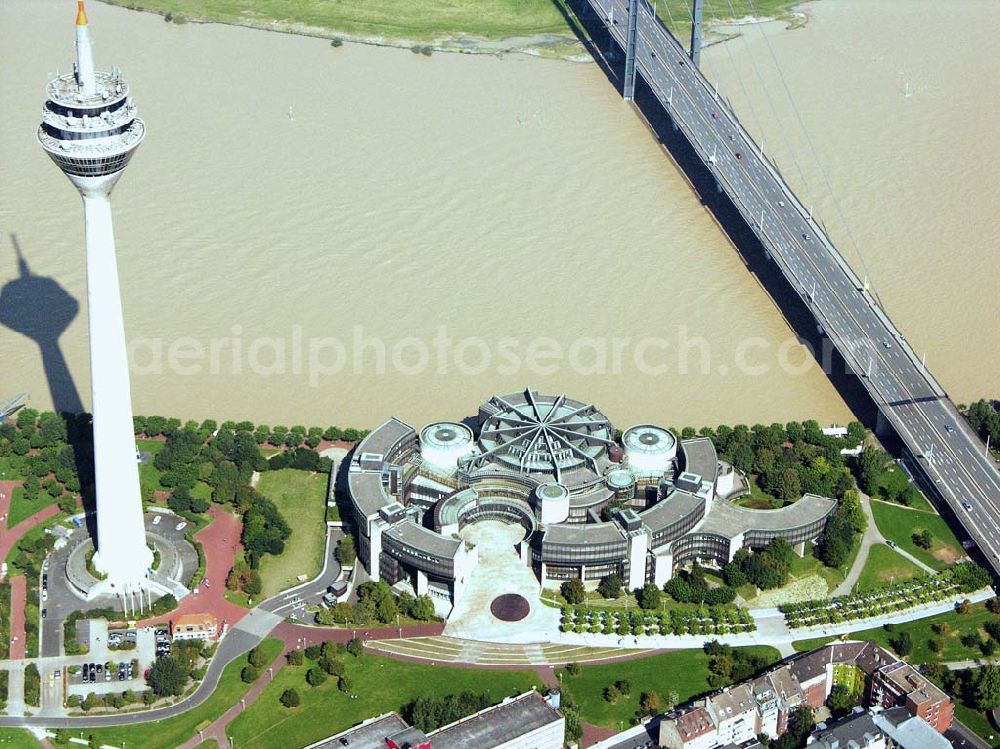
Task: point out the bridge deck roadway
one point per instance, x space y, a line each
949 453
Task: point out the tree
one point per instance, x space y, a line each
788 485
902 643
333 666
249 674
315 676
923 538
870 464
345 684
986 688
387 610
295 657
780 551
257 658
422 608
649 703
611 694
355 647
573 669
168 676
840 701
290 698
649 596
346 552
610 586
573 591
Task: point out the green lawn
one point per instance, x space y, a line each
418 19
171 733
922 633
899 523
894 481
883 567
301 498
682 671
977 721
35 533
149 475
380 684
11 467
21 507
16 738
758 499
431 19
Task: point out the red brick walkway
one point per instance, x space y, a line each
10 537
217 729
293 633
18 598
220 539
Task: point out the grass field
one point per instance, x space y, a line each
899 523
922 633
380 685
173 732
758 499
301 498
21 507
35 533
682 671
885 566
894 481
149 475
16 738
433 19
11 467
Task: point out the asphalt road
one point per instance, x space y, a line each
950 455
292 603
245 635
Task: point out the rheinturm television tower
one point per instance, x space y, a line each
90 130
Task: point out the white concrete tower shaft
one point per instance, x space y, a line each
90 129
121 539
84 52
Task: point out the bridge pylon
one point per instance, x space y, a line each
696 14
628 87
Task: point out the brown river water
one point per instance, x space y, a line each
320 236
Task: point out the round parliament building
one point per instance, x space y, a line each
589 501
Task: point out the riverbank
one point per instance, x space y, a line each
542 28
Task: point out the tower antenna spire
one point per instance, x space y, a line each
84 53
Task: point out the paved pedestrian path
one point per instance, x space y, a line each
18 598
871 537
220 540
217 729
452 650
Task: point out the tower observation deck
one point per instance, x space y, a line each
90 129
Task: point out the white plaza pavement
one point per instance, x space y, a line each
499 571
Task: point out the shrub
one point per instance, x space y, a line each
290 698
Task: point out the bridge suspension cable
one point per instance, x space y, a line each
774 112
812 148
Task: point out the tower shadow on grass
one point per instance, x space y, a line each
39 308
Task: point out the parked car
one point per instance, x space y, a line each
180 526
157 519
